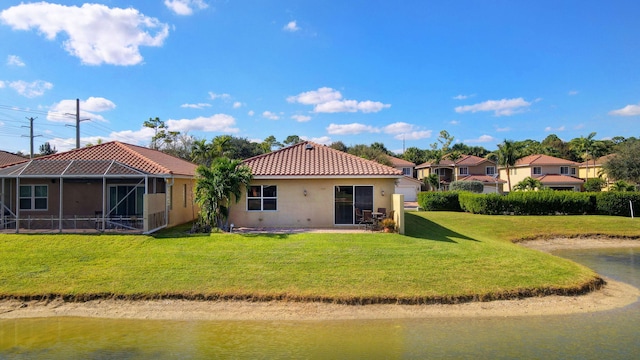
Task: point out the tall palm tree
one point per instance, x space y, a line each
506 155
583 146
218 186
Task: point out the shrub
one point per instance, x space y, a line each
546 202
594 184
439 201
486 204
617 203
472 186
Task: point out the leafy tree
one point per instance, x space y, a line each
178 145
472 186
432 181
594 184
378 146
440 149
528 184
291 140
218 186
370 153
159 131
552 145
47 149
625 165
622 185
242 148
339 145
583 147
506 156
414 155
269 143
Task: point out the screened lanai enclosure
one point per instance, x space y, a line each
82 195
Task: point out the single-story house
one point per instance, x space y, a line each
408 185
308 185
7 158
554 173
103 187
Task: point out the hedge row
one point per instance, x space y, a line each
533 202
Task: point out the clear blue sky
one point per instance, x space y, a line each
355 71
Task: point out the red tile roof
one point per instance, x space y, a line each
559 179
141 158
543 160
482 178
7 158
599 161
465 160
309 159
397 162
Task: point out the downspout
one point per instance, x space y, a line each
60 209
17 204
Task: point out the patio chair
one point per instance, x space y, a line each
367 219
382 211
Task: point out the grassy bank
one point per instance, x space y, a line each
445 257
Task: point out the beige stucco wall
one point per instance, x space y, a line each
182 206
315 210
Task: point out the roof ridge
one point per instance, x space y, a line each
127 148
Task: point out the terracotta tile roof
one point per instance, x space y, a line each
465 160
443 163
559 179
141 158
314 160
543 160
7 158
482 178
397 162
599 161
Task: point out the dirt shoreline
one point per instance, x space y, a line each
613 295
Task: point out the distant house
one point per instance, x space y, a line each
407 185
594 169
466 168
553 172
103 187
308 185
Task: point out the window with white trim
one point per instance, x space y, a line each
537 170
34 197
573 171
262 198
564 170
491 170
463 171
406 171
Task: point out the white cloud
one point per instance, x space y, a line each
88 110
301 118
251 113
215 123
454 122
195 106
414 135
14 60
573 92
269 115
292 26
185 7
504 107
406 131
463 97
32 89
482 139
504 129
2 84
95 33
629 110
324 140
237 105
549 128
214 96
351 129
328 100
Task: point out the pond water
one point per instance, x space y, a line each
605 335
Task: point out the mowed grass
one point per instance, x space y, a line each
443 255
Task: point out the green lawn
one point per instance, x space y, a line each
443 256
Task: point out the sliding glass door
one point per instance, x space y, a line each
350 197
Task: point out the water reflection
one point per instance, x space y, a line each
611 334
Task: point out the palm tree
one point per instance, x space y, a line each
528 184
218 186
506 155
583 146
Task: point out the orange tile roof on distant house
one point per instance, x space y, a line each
443 162
308 159
559 179
539 159
599 161
137 157
397 162
7 158
465 160
482 178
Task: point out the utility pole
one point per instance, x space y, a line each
77 125
31 136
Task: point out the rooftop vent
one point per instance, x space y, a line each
308 147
